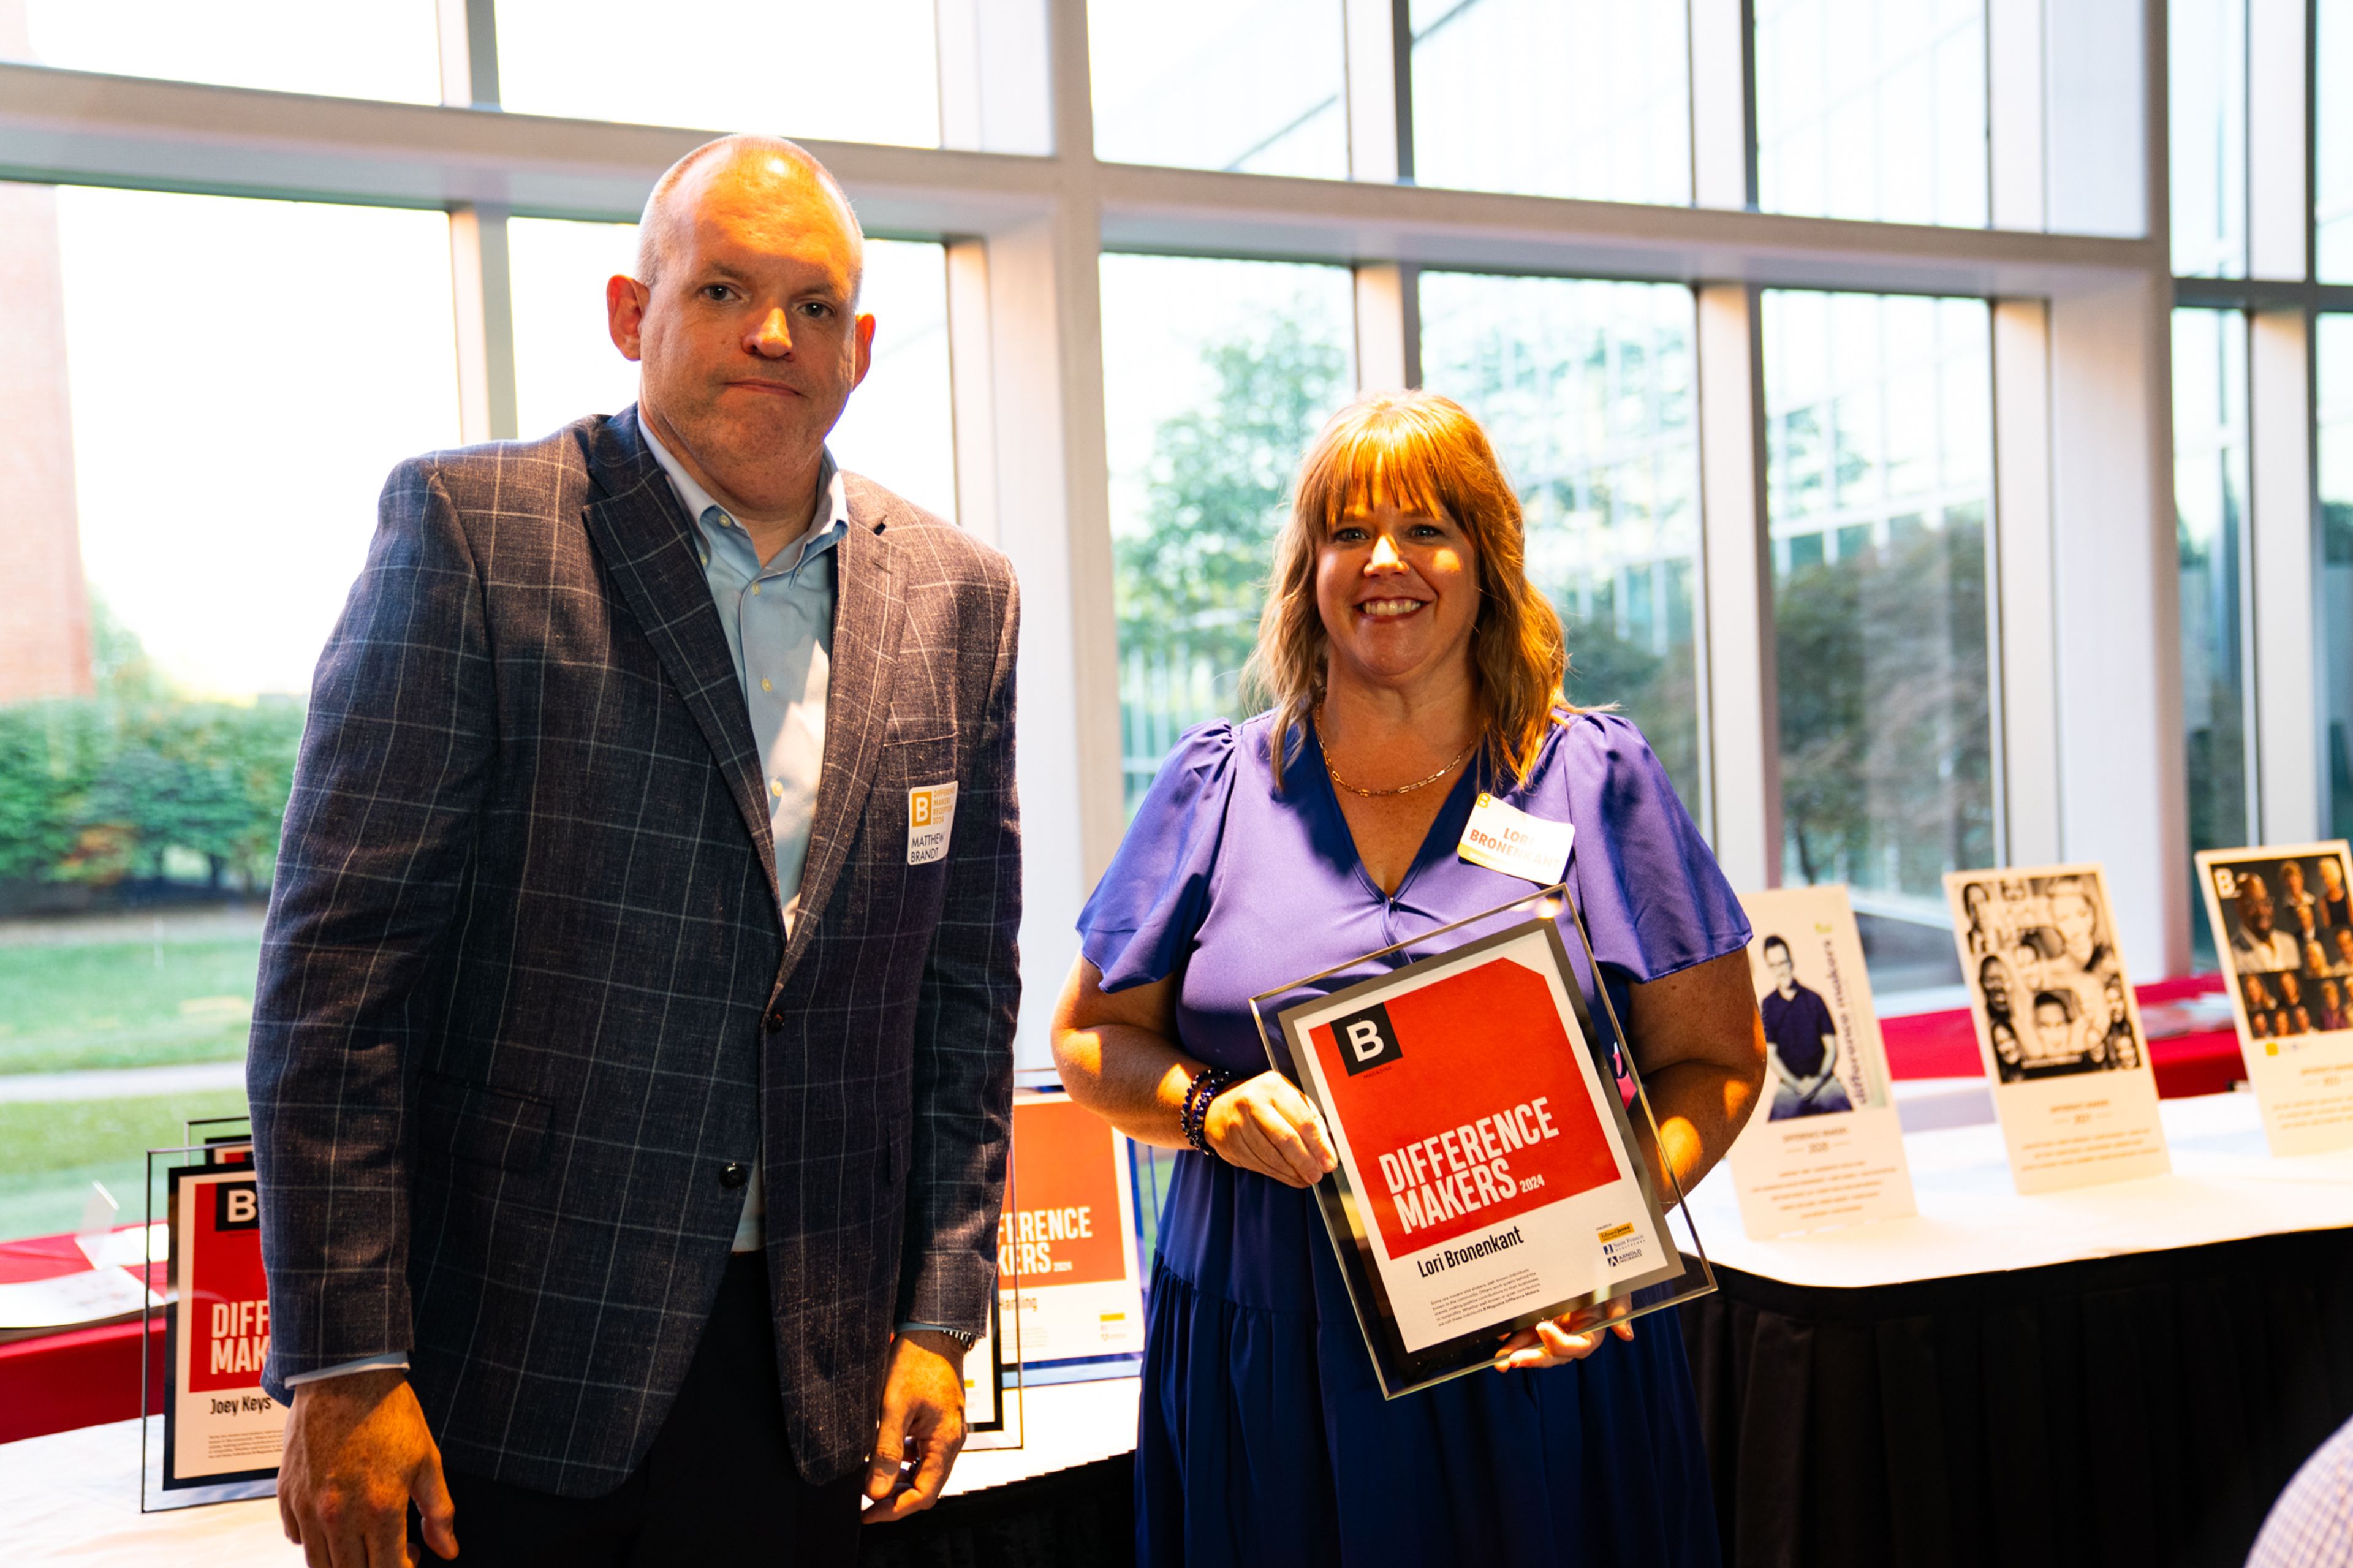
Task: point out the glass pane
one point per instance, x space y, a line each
351 49
898 429
2335 355
2210 505
729 65
1206 413
1872 109
1878 423
1586 390
2206 93
2332 135
1489 113
157 640
1258 87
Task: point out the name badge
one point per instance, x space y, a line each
931 817
1504 839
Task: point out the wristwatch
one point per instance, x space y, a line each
964 1341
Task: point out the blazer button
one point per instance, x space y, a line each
733 1174
773 1023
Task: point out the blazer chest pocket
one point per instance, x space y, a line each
481 1125
909 759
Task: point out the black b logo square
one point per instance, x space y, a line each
1367 1040
237 1206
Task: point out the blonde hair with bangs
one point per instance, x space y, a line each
1424 453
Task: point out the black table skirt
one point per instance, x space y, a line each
2127 1411
1084 1517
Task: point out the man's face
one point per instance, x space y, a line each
2345 944
748 339
1781 966
2256 907
2292 878
1993 982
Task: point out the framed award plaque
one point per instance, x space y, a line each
1489 1173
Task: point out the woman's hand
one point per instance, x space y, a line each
1550 1343
1264 1124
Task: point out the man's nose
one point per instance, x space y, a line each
1385 556
773 338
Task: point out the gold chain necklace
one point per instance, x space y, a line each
1401 789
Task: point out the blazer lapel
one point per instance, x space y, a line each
867 615
648 546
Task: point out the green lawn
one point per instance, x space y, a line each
124 1005
51 1151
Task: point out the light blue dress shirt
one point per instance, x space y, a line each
778 615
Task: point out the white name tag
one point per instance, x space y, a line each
931 816
1504 839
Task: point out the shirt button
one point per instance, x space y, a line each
733 1174
777 789
773 1023
764 686
756 590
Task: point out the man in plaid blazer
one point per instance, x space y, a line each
631 1062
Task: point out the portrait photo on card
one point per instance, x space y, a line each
2283 922
2038 951
1823 1055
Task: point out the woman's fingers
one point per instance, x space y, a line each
1550 1344
1301 1164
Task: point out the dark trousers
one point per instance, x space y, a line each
718 1486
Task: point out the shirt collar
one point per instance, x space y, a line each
698 504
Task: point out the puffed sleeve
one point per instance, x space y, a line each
1144 912
1654 898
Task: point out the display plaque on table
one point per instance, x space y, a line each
1066 1244
222 1431
2283 923
2058 1027
1489 1173
1825 1146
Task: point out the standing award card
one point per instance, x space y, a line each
1826 1146
2058 1027
2283 923
1068 1234
220 1426
1489 1173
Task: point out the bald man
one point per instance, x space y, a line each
631 1061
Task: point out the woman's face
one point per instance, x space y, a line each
1397 591
2072 914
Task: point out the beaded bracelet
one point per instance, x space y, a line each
1207 1085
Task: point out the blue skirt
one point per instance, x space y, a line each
1263 1436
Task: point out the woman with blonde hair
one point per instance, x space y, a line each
1410 666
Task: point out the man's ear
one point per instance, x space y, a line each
625 311
863 331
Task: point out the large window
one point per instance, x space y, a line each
2334 358
351 48
2332 137
2206 93
737 65
1208 410
1879 458
1586 388
2209 497
1490 111
1872 109
1257 87
898 429
198 506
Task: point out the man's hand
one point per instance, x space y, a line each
922 1422
356 1451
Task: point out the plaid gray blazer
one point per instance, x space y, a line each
524 989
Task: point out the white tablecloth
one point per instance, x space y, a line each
73 1497
2225 1187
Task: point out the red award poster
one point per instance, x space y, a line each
1486 1177
219 1425
1069 1239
